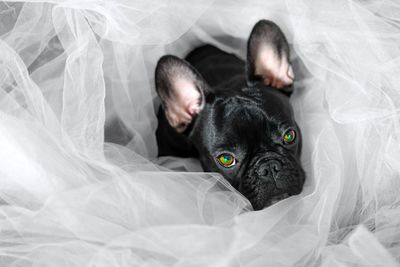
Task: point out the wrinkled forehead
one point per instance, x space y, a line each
252 116
259 103
274 103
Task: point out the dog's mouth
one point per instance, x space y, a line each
276 199
260 198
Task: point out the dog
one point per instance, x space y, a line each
235 116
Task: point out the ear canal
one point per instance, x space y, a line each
181 90
268 56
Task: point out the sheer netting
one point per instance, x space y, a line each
76 73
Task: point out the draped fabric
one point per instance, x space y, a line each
80 183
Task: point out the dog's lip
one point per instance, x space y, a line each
277 198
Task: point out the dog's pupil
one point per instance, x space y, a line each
289 136
226 159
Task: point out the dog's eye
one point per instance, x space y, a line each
226 160
289 136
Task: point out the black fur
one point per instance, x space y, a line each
243 116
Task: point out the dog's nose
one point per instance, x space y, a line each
270 169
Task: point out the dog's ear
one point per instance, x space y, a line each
181 90
268 56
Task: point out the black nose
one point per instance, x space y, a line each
270 169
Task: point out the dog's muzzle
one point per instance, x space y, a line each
272 178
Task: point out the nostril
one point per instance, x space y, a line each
269 170
274 167
263 170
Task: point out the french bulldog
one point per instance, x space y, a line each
235 116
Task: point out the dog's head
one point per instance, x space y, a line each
246 131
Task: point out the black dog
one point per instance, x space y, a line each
235 116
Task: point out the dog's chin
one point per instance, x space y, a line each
259 204
276 199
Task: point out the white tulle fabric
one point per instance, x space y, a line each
68 69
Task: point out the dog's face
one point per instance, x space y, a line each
246 131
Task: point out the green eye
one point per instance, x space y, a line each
289 136
226 160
